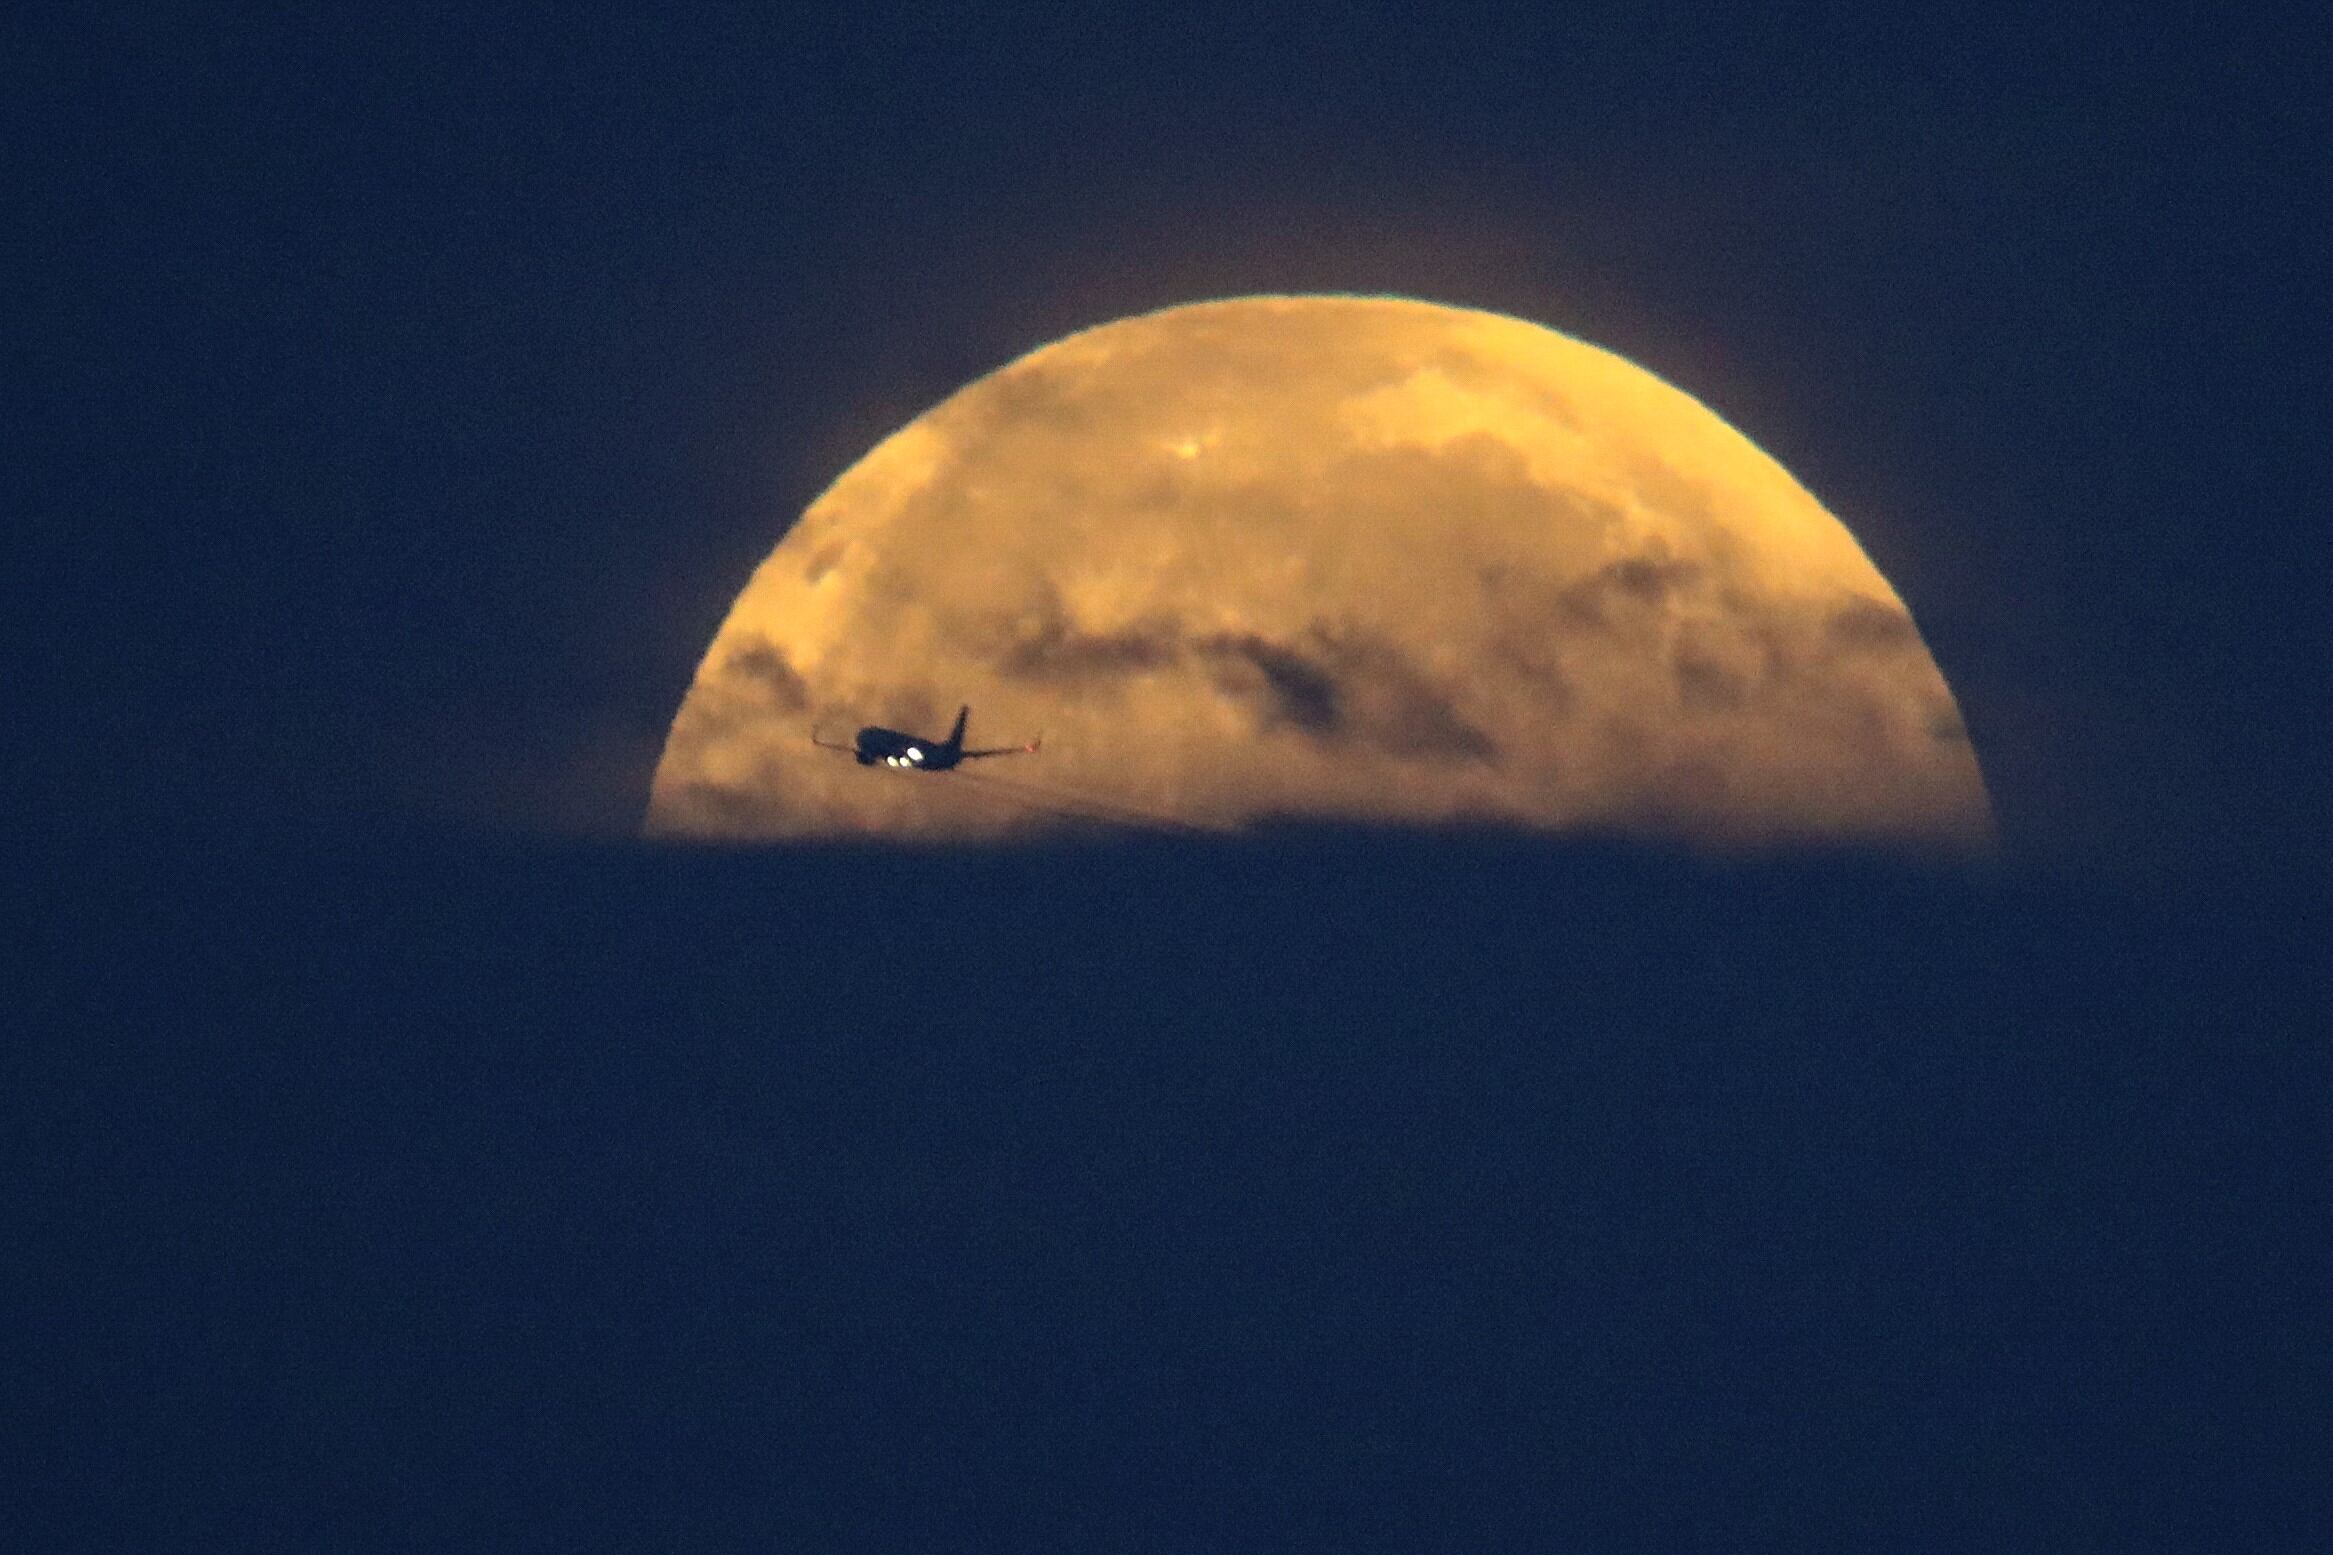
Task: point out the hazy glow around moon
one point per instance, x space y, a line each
1361 558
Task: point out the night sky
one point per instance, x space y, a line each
407 401
407 1162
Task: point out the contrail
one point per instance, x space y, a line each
1083 807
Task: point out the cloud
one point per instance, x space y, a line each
1427 725
1331 685
1036 398
702 806
1345 686
1058 651
1628 585
1705 685
759 665
1868 626
1395 706
1294 690
824 560
1650 578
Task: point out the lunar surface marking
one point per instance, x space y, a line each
1363 559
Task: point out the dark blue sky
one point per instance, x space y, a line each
409 395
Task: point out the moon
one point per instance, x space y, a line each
1358 559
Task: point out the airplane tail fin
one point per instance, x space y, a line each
956 735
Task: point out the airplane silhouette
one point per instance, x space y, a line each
894 749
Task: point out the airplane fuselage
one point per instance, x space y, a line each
913 751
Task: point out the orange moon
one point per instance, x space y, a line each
1348 558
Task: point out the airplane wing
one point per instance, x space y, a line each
829 745
1029 749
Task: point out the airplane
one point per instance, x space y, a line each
894 749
